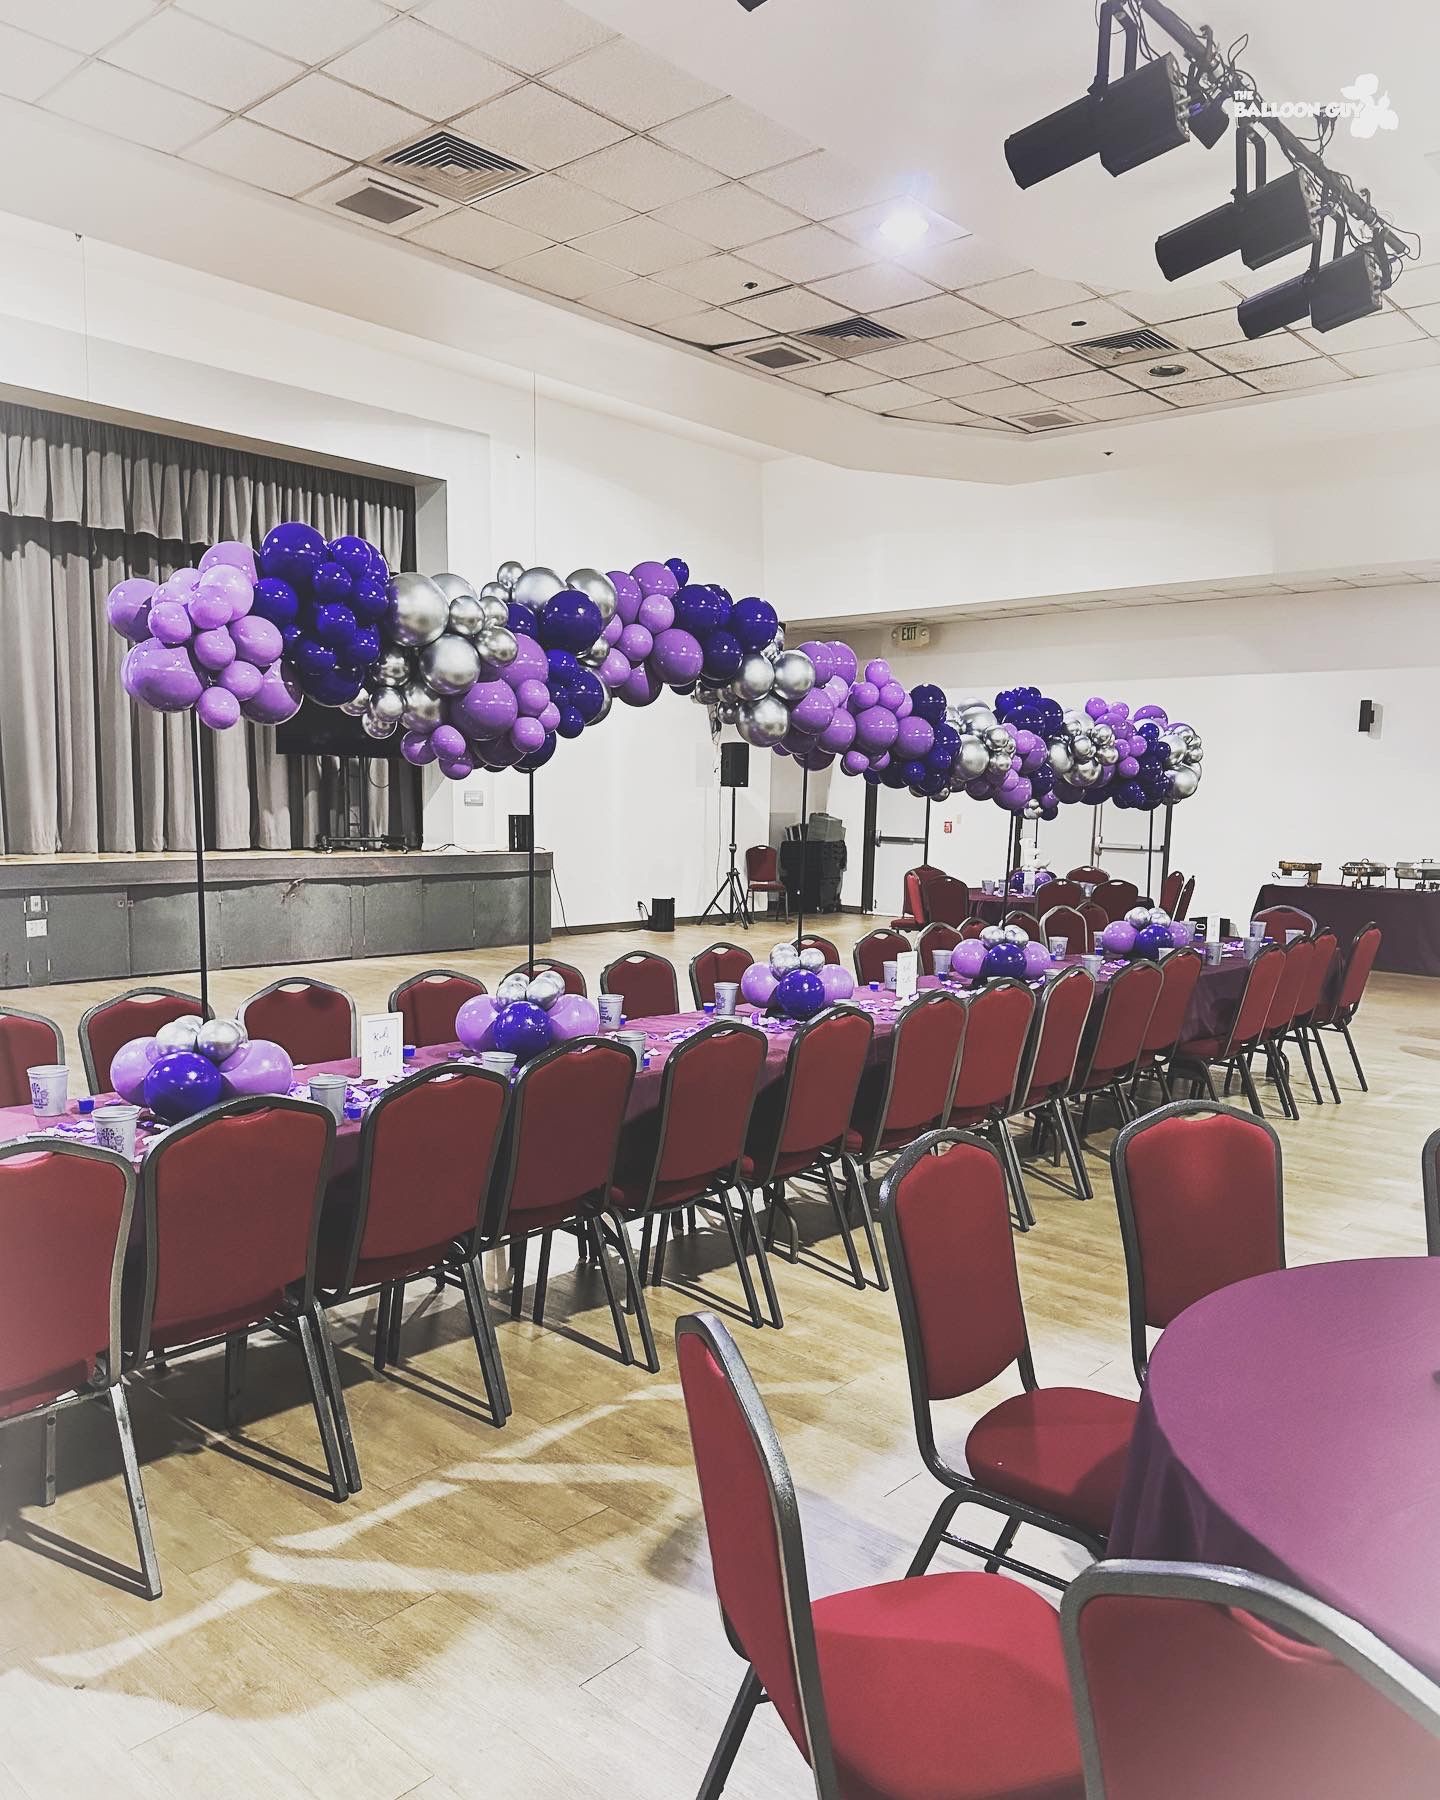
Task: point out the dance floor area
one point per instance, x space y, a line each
529 1612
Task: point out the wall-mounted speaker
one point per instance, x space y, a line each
1369 716
734 765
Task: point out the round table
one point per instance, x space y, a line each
1291 1426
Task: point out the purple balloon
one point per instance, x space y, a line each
236 555
1156 713
847 664
1182 933
968 956
892 694
532 697
209 612
823 658
636 643
527 734
655 578
758 984
170 622
241 679
1127 768
214 650
447 741
877 673
677 656
616 669
876 729
915 738
161 677
229 583
1097 708
656 614
127 607
530 664
855 762
838 689
256 640
130 1065
573 1016
475 1021
456 768
276 700
487 710
1118 938
628 595
218 708
863 695
839 734
550 718
614 625
180 584
814 712
838 983
417 749
258 1067
1037 958
643 686
181 1083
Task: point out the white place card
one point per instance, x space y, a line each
907 975
382 1046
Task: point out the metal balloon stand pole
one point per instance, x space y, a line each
804 855
925 853
530 880
197 788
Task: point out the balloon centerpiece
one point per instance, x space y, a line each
796 984
1144 933
191 1063
526 1015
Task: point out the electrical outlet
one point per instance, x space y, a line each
474 797
949 826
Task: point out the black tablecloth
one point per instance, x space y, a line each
1408 917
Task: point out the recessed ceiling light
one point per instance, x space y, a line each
1168 369
903 228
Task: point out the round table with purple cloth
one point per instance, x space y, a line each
1291 1426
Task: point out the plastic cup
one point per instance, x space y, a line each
891 975
1087 888
1255 929
1057 946
115 1127
612 1011
49 1089
329 1091
634 1042
942 963
1290 936
501 1061
1214 952
727 998
1092 962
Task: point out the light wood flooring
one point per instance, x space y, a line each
528 1612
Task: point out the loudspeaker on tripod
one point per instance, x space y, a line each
734 765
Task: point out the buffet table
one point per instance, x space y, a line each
1409 918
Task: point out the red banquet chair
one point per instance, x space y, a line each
1060 893
1051 1457
762 876
1324 948
1071 924
810 941
1114 1041
999 1021
690 1152
555 1171
947 901
1048 1076
1278 920
1115 898
917 911
1200 1192
1027 922
908 1690
799 1123
447 1121
1187 894
874 950
25 1040
138 1013
1338 1014
65 1213
1170 889
1088 875
232 1204
933 938
1095 917
645 982
720 962
1233 1050
543 965
429 1002
1430 1183
312 1021
1178 975
973 927
1195 1682
1299 959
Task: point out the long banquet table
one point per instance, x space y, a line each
1409 919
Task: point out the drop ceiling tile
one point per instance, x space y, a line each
1050 364
31 65
1419 355
643 246
84 25
531 36
554 207
628 83
907 361
1205 330
808 254
531 125
1028 292
1206 393
721 279
983 343
932 318
197 58
1427 318
1418 287
950 384
1371 333
823 185
309 30
1121 406
1155 307
965 263
642 175
566 271
475 237
834 377
729 216
732 138
885 397
414 65
867 226
1093 386
1260 353
937 412
1089 318
421 206
116 101
1186 367
641 302
1006 400
264 158
323 111
881 285
711 326
791 309
1287 378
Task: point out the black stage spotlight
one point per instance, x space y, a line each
750 5
1209 120
1348 287
1287 304
1265 219
1144 114
1053 143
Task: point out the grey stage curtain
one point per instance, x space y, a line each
84 504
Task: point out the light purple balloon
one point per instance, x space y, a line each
643 686
814 712
655 579
876 729
161 677
906 706
241 679
456 768
1119 711
758 984
847 664
892 694
1118 938
475 1023
635 643
838 983
1037 958
839 734
1097 708
209 612
487 710
573 1016
1182 933
915 738
130 1065
550 718
814 758
276 700
838 689
530 664
225 581
877 673
445 740
855 762
628 595
218 708
616 669
417 749
527 734
127 607
236 555
170 622
823 658
1127 768
968 956
532 697
257 640
677 656
258 1067
1141 713
863 695
656 614
214 650
180 584
614 625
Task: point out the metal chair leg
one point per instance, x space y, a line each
382 1326
731 1737
1355 1058
49 1433
235 1347
397 1319
305 1330
637 1293
517 1276
1302 1044
487 1346
1065 1125
662 1243
617 1311
1252 1093
847 1237
936 1530
1002 1545
1325 1063
335 1393
867 1218
542 1279
742 1261
135 1493
1024 1212
757 1243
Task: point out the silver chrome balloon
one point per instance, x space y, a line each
494 590
419 611
596 587
376 727
1083 745
422 707
508 574
605 705
497 645
393 668
765 721
973 757
998 738
545 988
1061 761
596 654
756 678
219 1038
467 615
1102 733
1108 754
784 957
494 611
453 586
1016 934
812 959
1183 783
357 707
993 934
1033 810
729 709
794 675
389 703
451 664
179 1034
536 586
513 987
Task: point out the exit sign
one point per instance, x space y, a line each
910 637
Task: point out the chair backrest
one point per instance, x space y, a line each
1178 974
1071 924
429 1002
568 973
1115 898
924 1054
877 948
972 928
448 1122
997 1029
947 901
810 941
138 1013
1358 965
914 897
1095 917
707 1093
1266 972
1195 1682
1187 894
946 1219
1286 999
1277 920
752 1522
1055 1042
933 938
822 1078
1430 1182
1324 948
1027 922
311 1020
1088 874
1199 1188
566 1111
232 1207
761 863
721 962
1060 893
25 1040
1125 1006
64 1223
645 982
1170 890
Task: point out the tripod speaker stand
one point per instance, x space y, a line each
729 899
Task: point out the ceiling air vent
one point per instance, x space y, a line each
381 205
1122 347
1045 421
776 356
851 337
449 165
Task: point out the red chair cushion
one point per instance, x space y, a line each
1061 1449
948 1688
1199 1049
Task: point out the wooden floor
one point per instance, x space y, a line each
528 1612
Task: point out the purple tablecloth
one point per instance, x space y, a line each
1291 1426
1408 917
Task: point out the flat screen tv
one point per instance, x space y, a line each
326 731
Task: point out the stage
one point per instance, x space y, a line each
79 918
